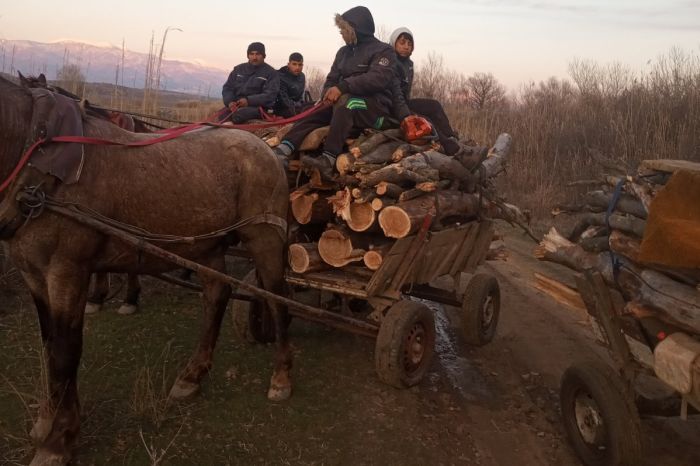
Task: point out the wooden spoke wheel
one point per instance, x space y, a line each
405 344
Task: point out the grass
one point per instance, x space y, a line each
339 412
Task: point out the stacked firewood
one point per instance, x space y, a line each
609 241
383 190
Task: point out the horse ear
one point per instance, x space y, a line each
42 79
22 80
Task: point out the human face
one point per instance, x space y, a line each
295 67
256 58
404 46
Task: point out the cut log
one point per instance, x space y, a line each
625 204
595 244
423 188
404 150
359 216
398 174
392 190
449 168
273 141
625 223
560 292
498 156
378 203
555 248
363 194
309 207
381 155
314 139
374 257
345 163
624 245
374 141
304 257
403 219
336 248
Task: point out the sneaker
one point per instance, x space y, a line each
325 164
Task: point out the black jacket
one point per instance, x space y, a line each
401 88
259 84
365 69
291 94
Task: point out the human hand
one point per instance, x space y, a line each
232 106
332 94
242 102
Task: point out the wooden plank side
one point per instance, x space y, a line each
465 249
481 245
382 277
442 253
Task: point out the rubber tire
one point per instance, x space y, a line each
479 289
247 317
389 349
617 408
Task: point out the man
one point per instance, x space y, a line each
290 99
358 86
401 41
251 86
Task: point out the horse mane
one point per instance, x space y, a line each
15 121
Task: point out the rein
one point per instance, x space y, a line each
167 134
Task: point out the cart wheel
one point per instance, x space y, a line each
481 308
252 320
599 415
405 344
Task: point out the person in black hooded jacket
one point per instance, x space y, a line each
290 99
401 41
358 85
250 86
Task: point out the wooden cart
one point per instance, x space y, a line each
599 403
404 328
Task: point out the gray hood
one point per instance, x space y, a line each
395 35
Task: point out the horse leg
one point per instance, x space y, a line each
63 330
215 295
99 288
268 251
133 291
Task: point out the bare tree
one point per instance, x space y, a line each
315 78
71 78
484 91
432 79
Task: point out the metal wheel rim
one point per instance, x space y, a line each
415 347
590 422
488 311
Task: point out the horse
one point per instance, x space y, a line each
99 288
205 181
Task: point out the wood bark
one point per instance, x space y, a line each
625 223
398 174
626 203
374 141
345 163
380 155
384 188
498 156
404 150
304 257
314 139
378 203
338 246
309 207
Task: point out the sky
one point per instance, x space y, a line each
517 41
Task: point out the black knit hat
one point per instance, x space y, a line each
257 47
296 56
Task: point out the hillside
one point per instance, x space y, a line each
100 64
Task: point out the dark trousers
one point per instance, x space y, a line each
244 114
347 114
433 111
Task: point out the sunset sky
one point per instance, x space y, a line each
517 41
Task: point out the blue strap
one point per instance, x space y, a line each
616 264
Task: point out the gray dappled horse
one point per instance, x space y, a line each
201 182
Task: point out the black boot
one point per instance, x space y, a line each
325 164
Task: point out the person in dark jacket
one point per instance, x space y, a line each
403 105
251 86
290 99
358 85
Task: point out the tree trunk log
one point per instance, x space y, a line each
498 156
404 150
392 190
378 203
337 249
310 207
626 223
304 257
374 141
345 163
374 257
398 174
381 155
359 216
625 204
314 139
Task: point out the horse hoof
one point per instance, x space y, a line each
127 309
93 308
41 429
182 390
45 458
279 393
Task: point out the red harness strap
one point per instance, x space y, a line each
167 134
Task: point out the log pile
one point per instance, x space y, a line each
609 242
383 190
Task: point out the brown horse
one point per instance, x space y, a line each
99 288
202 182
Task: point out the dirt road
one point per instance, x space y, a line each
496 405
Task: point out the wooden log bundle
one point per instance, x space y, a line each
610 243
384 189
